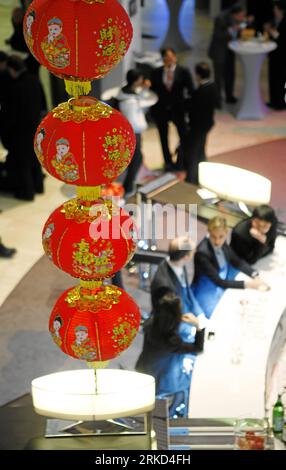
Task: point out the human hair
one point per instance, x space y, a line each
179 248
203 70
58 319
3 56
132 76
167 49
166 320
32 14
236 9
264 212
15 62
217 223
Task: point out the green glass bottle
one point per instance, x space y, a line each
278 417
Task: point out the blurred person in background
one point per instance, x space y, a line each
201 112
255 237
277 58
227 28
134 100
173 85
20 116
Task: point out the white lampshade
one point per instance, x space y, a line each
71 394
235 184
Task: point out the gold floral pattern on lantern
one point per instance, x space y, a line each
98 111
93 300
97 261
123 332
88 211
113 144
112 41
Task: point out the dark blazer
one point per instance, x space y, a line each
171 100
247 247
206 264
279 54
220 38
164 278
202 106
155 348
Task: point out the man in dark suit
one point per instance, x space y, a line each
172 276
173 84
226 28
201 119
277 58
261 11
19 117
255 237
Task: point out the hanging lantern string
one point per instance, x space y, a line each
95 366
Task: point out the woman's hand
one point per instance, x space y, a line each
258 284
258 235
190 318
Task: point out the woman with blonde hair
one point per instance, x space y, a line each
216 266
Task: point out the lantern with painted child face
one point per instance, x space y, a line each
77 40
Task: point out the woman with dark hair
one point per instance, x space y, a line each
134 100
168 355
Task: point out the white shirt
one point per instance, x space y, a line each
180 273
166 81
133 107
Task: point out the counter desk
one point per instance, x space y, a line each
244 341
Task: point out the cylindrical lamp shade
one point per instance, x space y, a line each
94 324
74 394
235 184
78 39
90 241
84 142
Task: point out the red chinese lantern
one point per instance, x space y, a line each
94 323
77 40
89 240
85 142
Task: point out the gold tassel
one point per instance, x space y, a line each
90 284
98 365
77 88
88 193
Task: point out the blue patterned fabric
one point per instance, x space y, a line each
173 371
208 294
